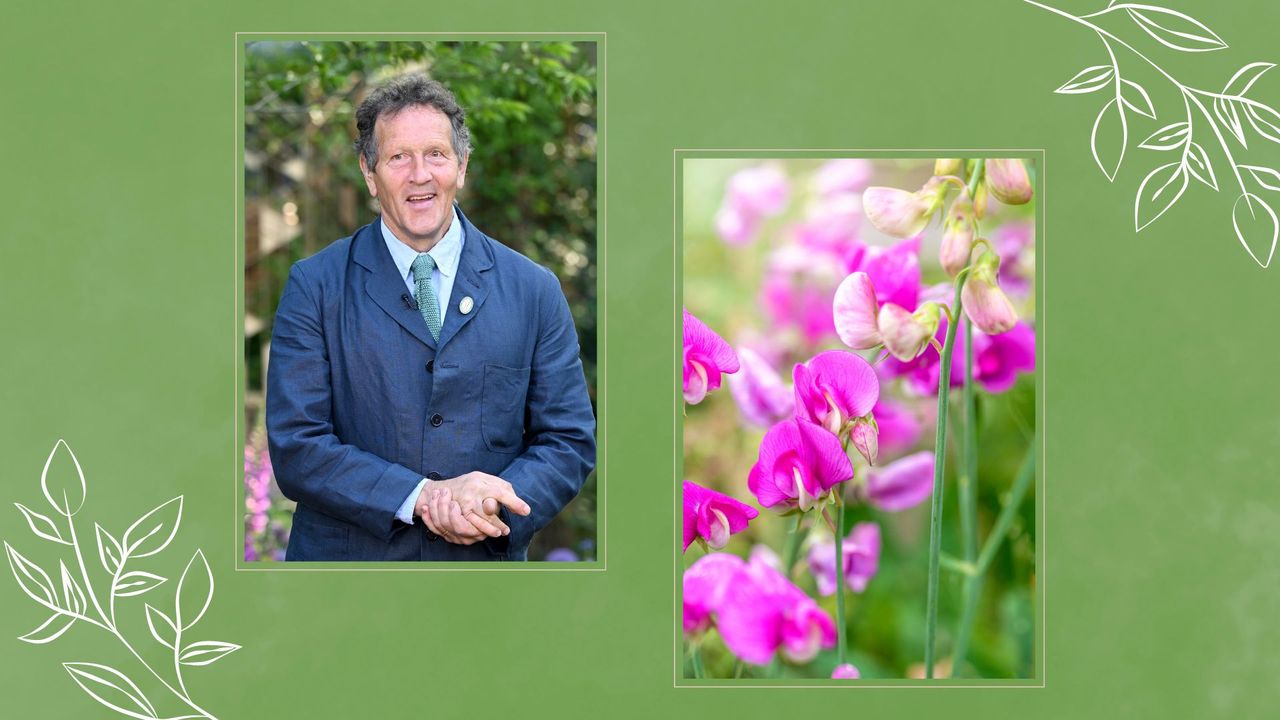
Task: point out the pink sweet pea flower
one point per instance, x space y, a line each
1015 243
902 213
895 272
704 586
998 359
713 516
861 559
906 334
984 302
855 310
762 613
903 483
752 195
845 672
762 397
706 355
898 426
833 388
799 463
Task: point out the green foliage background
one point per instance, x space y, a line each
531 110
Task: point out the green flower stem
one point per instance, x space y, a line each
792 550
840 628
968 482
978 166
698 671
1007 513
939 463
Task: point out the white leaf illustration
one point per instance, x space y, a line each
41 525
1264 120
1169 137
71 592
1199 166
1103 127
153 532
1174 29
1159 190
111 688
1245 77
109 550
136 583
1229 116
33 581
1255 225
1265 176
50 629
162 628
1136 98
206 652
1090 79
63 481
195 590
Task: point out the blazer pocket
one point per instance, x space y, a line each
502 407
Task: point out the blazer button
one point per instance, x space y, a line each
436 420
433 476
431 365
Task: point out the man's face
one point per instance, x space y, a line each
418 174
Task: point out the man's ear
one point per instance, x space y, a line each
462 171
368 176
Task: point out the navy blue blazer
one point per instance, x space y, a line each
362 403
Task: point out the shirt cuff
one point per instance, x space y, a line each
405 513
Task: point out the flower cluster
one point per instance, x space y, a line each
850 313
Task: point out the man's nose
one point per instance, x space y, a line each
419 174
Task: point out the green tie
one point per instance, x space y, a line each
428 305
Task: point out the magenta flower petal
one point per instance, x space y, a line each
762 397
799 462
855 309
999 358
895 272
845 672
714 516
706 356
834 387
861 559
899 428
903 483
704 586
762 612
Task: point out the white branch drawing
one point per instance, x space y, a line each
79 601
1255 224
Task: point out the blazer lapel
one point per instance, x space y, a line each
384 284
477 258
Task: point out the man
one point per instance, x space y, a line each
425 399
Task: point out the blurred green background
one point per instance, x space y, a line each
722 286
531 110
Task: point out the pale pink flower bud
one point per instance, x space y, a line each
907 334
946 166
901 213
957 236
866 438
845 672
1008 180
984 302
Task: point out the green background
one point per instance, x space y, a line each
1161 531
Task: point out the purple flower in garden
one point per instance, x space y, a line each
861 559
846 175
898 427
903 483
997 359
704 586
761 613
561 554
863 323
799 463
895 272
752 194
713 516
761 395
845 672
833 388
832 226
985 304
1015 243
706 355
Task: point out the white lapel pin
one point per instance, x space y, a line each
465 306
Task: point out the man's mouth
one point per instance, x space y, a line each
423 198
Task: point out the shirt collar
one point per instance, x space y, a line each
447 253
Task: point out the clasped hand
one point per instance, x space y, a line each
464 509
